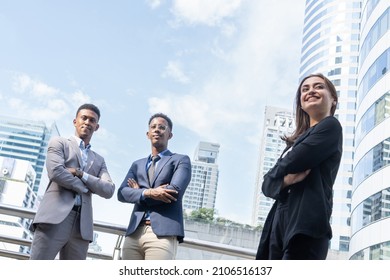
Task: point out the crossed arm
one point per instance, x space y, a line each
160 193
306 154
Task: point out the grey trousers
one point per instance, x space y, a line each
63 238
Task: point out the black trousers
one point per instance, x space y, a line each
300 247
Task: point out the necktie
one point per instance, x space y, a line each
152 168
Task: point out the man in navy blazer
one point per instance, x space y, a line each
156 223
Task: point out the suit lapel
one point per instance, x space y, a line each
91 159
161 163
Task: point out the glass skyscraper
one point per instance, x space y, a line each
330 45
26 140
370 223
202 190
278 122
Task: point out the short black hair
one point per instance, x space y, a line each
89 106
161 115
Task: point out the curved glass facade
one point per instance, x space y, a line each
378 251
341 39
376 71
376 33
370 227
375 159
372 209
378 112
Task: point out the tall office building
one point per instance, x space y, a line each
370 219
278 122
202 190
26 140
330 45
16 182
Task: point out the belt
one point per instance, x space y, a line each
77 208
145 223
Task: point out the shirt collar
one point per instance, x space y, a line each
81 143
159 154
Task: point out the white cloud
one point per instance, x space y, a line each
154 4
36 100
204 11
79 97
174 71
26 85
16 105
260 68
185 109
54 110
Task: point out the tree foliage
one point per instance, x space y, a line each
204 214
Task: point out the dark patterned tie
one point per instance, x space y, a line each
152 168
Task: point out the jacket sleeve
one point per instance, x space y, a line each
182 176
101 184
56 168
179 181
272 185
307 153
127 194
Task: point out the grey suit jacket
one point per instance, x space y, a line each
166 218
59 197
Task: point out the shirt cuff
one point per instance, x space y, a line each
85 177
143 195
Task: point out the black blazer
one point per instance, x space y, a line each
310 201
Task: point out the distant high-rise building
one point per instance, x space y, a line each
16 182
26 140
202 190
278 122
330 45
370 219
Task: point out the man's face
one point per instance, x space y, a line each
159 133
86 123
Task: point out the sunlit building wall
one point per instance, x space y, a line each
278 122
370 219
16 182
202 190
26 140
330 45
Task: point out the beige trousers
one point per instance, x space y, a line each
143 244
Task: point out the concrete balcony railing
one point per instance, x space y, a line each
115 230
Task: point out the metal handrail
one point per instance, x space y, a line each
118 230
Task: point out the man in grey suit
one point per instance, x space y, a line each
155 185
63 223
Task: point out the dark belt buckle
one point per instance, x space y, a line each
76 208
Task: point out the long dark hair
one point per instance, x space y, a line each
302 119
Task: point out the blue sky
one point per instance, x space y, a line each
212 66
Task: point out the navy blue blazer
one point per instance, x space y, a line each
310 201
166 218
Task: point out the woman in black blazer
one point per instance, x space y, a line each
301 182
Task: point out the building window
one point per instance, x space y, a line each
375 159
377 113
374 74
